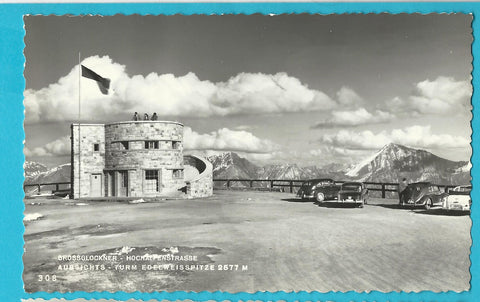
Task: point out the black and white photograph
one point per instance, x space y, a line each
245 153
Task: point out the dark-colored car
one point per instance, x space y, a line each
353 192
320 189
422 194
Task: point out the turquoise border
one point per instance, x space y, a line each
12 85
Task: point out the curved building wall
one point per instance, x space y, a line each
143 158
199 178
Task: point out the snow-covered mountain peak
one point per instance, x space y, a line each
38 173
32 168
355 170
395 161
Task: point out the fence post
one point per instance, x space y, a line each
228 183
38 187
383 190
56 187
251 183
291 186
271 185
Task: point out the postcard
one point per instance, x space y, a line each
245 153
239 151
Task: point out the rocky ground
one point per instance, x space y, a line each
278 243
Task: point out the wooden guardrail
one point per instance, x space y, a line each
291 184
56 184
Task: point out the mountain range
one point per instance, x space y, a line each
394 162
389 164
37 173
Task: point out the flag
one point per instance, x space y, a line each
103 83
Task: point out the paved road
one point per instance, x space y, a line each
286 244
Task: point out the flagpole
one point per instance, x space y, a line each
79 81
79 117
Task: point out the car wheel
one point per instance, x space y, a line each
428 204
320 197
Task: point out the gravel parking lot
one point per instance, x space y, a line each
278 243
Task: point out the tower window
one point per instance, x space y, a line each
151 181
151 144
96 147
178 173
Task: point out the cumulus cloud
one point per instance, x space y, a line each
356 117
58 147
396 104
227 140
220 140
442 96
414 136
421 136
253 93
348 97
59 101
356 140
169 95
327 150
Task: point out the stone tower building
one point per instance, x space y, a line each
135 159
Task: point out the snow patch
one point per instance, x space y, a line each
141 200
42 195
32 217
356 169
124 250
172 250
465 168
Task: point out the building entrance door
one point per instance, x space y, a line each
122 184
96 185
110 183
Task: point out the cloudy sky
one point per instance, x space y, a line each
305 89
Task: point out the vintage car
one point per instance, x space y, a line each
320 189
459 199
354 193
422 194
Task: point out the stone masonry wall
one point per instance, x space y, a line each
202 187
168 156
202 184
86 160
